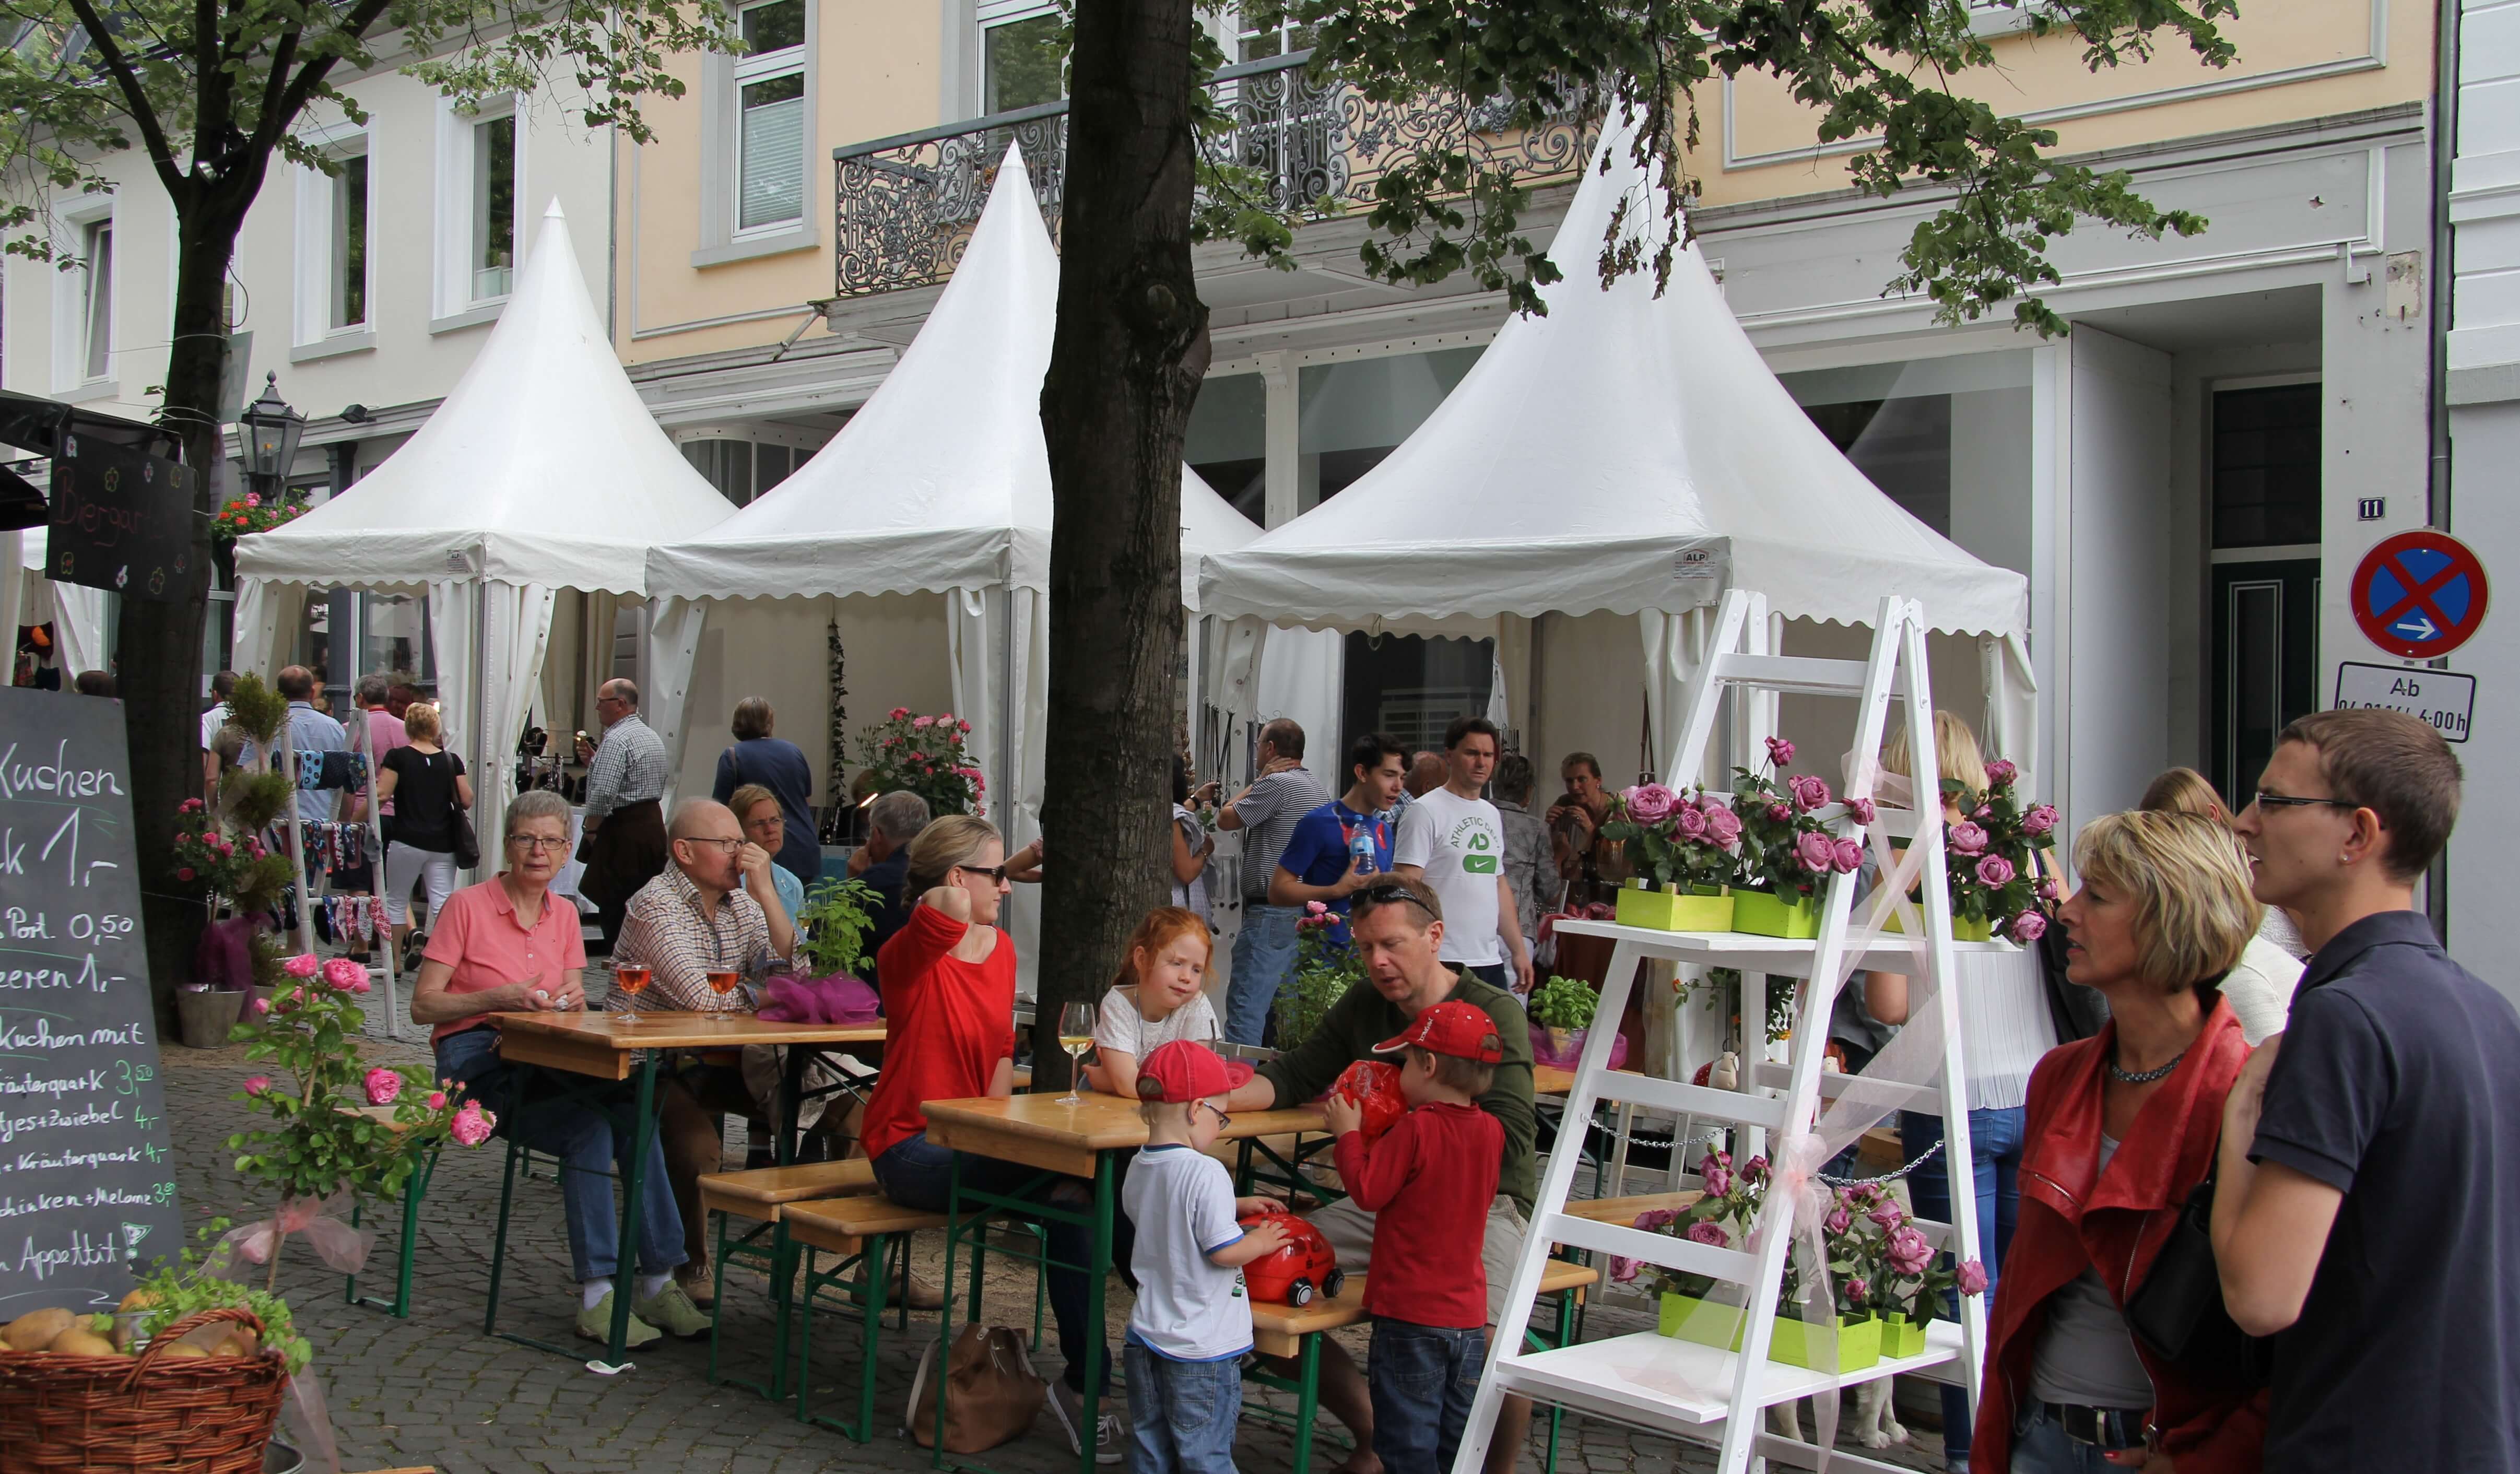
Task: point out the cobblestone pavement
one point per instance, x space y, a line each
433 1389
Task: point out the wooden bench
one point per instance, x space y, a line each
758 1197
1293 1333
860 1230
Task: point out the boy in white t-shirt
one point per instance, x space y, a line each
1192 1324
1454 840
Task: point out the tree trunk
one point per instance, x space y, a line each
1125 367
158 658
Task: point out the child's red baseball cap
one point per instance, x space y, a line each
1183 1070
1463 1030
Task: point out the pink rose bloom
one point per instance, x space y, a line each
1650 803
1861 808
253 498
1623 1270
183 872
964 726
301 965
1994 869
1718 1177
896 714
1968 838
1690 823
1984 811
1316 907
944 719
1908 1253
2029 926
2040 819
262 1006
1656 1220
1888 1216
1817 853
1708 1233
472 1124
1850 855
2000 772
383 1084
1972 1278
1838 1221
344 975
255 1085
1779 752
1755 1170
436 1100
1857 1291
1722 826
1779 813
922 723
2047 890
1809 792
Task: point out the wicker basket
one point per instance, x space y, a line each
150 1413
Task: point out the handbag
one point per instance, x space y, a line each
2177 1313
468 845
992 1394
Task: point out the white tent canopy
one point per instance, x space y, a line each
936 493
541 471
75 611
1626 453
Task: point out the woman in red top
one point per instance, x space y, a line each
2120 1128
949 1007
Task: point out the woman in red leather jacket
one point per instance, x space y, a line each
2119 1127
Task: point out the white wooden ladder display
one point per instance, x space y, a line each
1681 1388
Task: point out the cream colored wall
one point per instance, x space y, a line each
876 74
2298 60
777 648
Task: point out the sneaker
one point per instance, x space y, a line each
1110 1440
698 1284
671 1311
595 1324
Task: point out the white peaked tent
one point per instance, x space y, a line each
541 471
1626 453
923 526
77 611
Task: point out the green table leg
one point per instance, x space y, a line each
507 1197
1308 1403
643 1135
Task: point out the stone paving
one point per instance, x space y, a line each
433 1389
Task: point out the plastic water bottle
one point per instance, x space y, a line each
1360 846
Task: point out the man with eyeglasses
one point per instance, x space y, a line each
1397 926
625 821
715 910
2368 1206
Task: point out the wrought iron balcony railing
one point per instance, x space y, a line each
905 205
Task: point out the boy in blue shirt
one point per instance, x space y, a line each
1192 1323
1321 862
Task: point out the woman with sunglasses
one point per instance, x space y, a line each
949 1004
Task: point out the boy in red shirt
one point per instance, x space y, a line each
1428 1181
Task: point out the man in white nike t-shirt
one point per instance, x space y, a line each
1454 840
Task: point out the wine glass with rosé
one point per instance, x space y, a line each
630 980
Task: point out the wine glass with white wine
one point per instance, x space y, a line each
1077 1036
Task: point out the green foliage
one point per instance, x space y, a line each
251 800
838 914
1886 73
1325 969
259 710
1564 1003
176 1291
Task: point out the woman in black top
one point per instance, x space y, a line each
429 788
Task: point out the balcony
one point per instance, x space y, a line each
904 206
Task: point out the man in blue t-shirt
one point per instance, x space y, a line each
1320 862
2369 1207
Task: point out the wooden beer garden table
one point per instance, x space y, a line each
584 1052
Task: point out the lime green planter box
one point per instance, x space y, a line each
1901 1338
1963 928
1667 909
1762 915
1686 1318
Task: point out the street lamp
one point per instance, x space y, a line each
270 429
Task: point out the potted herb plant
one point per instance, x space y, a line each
1682 845
1565 1007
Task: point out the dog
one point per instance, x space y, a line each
1874 1426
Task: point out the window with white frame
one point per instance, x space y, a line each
480 194
493 259
333 243
95 326
770 117
1256 41
346 248
1023 55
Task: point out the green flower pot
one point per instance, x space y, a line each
1762 915
1901 1338
1798 1343
1685 1318
1963 928
1667 907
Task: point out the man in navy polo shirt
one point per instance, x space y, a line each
2369 1207
1320 862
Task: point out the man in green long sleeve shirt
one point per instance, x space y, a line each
1398 927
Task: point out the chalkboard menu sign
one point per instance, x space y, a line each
122 520
87 1179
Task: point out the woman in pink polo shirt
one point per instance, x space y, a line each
509 945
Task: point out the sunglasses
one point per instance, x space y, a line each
2279 801
997 874
1390 891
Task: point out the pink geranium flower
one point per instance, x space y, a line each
383 1086
303 964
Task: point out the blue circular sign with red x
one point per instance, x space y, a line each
2420 595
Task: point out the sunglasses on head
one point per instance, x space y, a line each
1390 891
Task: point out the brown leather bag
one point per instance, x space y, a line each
992 1394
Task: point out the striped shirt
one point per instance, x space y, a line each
629 768
1270 812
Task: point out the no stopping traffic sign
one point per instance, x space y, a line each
2419 594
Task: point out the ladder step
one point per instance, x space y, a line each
1807 675
1916 1098
1728 1265
1625 1087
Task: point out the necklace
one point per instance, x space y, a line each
2145 1077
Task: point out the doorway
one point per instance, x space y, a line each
2264 593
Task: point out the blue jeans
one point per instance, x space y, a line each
589 1149
1181 1415
2040 1446
918 1176
1995 1153
1264 956
1421 1378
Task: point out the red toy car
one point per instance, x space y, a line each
1297 1272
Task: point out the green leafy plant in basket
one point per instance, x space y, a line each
837 916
